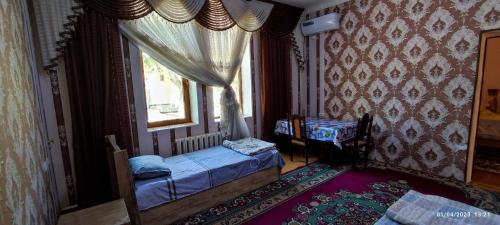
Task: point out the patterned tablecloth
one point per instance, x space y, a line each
326 130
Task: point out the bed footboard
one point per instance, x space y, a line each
122 182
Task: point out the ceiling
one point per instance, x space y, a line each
312 5
301 3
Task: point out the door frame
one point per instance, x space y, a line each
484 36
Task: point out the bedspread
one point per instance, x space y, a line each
419 209
249 146
198 171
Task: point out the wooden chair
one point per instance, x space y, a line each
362 143
296 127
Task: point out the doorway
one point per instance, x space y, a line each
483 161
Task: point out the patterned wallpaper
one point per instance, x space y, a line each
411 64
26 184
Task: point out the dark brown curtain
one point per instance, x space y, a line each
95 77
275 66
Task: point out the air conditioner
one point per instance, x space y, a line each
323 23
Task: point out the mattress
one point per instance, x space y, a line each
489 125
198 171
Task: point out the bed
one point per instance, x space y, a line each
488 132
420 209
489 125
199 180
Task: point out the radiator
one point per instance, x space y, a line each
195 143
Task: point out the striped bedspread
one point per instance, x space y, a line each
418 209
198 171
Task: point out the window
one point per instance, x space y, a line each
239 86
167 94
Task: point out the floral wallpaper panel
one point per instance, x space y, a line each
411 64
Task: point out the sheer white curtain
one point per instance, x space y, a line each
199 54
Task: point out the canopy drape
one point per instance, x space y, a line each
208 57
198 40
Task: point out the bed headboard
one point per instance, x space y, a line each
122 183
195 143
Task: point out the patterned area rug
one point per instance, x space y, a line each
318 194
251 204
488 164
356 208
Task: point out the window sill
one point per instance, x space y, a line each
217 120
174 126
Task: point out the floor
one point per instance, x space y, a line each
317 153
486 180
313 194
298 161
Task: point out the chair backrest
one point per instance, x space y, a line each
296 126
369 133
364 126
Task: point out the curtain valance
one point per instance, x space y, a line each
56 19
215 14
55 23
212 14
121 9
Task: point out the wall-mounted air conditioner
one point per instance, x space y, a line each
323 23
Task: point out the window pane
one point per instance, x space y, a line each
164 92
217 91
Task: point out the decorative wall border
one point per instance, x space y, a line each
172 141
254 100
205 109
318 68
61 128
156 148
130 96
308 66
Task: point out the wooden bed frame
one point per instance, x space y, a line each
123 187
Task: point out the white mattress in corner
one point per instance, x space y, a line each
489 125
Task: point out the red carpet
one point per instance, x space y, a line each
357 182
318 194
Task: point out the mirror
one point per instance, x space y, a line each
483 159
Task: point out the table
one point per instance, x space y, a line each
112 213
326 130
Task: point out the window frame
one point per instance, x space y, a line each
186 98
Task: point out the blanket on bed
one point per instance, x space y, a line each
248 146
418 209
201 170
